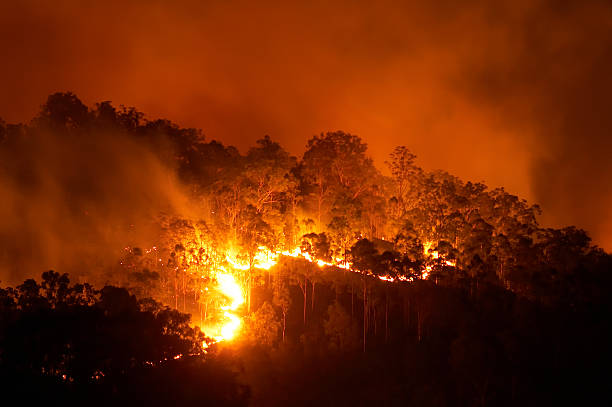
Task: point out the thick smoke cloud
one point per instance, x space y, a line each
550 81
71 203
514 93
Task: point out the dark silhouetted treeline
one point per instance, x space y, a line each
72 344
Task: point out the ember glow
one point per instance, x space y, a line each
226 321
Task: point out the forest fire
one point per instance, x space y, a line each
266 204
272 253
228 287
227 326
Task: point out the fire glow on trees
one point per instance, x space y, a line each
224 321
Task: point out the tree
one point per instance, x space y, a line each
282 300
405 178
55 287
73 333
407 242
363 256
263 326
342 235
317 246
254 234
339 328
335 167
63 110
268 174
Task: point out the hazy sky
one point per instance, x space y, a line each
513 93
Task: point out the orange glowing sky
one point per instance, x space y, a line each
514 94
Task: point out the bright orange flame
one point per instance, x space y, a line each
427 246
230 288
265 259
227 329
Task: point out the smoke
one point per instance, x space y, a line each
514 93
549 80
71 202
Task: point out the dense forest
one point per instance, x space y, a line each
362 286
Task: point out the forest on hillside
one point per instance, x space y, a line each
362 285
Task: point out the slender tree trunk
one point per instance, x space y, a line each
284 324
175 291
304 288
249 283
312 297
365 315
294 234
352 301
305 295
320 203
249 288
167 287
387 316
184 291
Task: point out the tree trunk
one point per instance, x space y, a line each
312 297
184 293
365 315
284 324
320 203
387 316
249 283
304 288
249 291
175 291
352 301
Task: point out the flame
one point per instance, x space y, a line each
264 259
231 259
229 330
231 289
224 266
427 250
227 285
